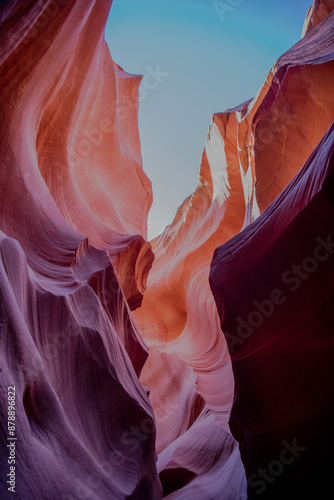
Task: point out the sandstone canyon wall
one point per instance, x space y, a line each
69 345
139 373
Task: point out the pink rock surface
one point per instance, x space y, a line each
129 381
68 135
84 424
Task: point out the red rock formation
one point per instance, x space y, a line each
284 122
69 133
84 424
75 261
273 285
317 13
295 112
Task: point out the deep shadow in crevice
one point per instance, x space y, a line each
174 479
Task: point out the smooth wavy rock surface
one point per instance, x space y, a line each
84 424
69 133
274 288
131 381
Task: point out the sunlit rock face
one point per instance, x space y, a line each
130 380
295 112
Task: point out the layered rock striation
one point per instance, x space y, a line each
139 370
84 424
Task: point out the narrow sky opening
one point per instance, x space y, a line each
197 57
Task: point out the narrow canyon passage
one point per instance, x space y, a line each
197 365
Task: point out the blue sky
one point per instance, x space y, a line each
208 60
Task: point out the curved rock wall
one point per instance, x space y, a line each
135 376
